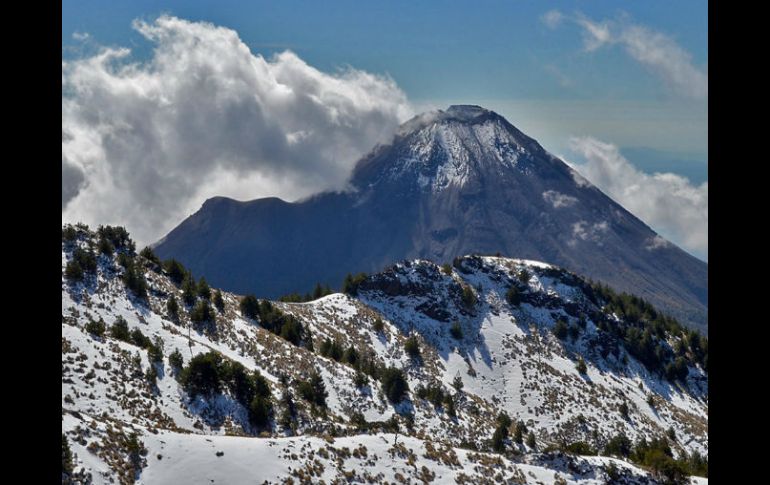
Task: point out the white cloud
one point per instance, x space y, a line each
146 142
663 56
669 203
588 232
557 199
657 242
654 50
552 18
595 34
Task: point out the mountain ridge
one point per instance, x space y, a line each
514 331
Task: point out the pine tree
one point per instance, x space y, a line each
66 456
457 383
250 307
173 308
175 271
175 360
219 302
203 289
531 440
498 440
449 406
189 290
518 435
148 254
259 411
581 366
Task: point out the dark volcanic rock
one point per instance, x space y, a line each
451 183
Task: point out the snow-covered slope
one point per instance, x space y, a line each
505 354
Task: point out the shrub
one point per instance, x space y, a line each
96 328
155 350
69 233
350 356
151 376
581 366
456 331
580 448
469 298
118 236
378 325
105 247
560 329
513 296
524 276
139 339
361 380
446 268
394 384
119 330
623 409
618 445
412 347
73 271
86 259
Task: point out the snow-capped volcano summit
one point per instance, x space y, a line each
443 148
451 182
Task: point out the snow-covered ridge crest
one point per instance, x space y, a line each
506 354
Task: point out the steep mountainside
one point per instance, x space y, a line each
314 390
451 183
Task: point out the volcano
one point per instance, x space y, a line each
450 183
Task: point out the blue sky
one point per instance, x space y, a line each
616 87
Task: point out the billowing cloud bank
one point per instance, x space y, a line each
143 144
669 203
